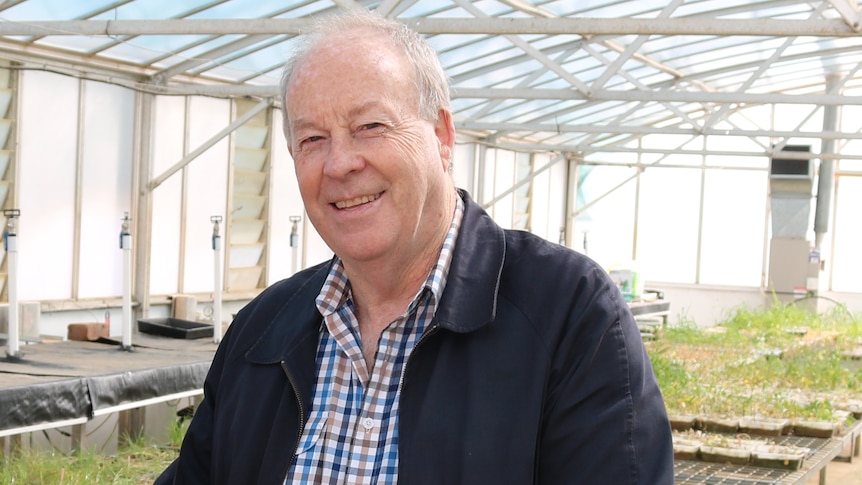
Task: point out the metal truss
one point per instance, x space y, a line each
533 75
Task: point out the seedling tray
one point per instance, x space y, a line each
175 328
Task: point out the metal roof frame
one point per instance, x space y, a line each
542 75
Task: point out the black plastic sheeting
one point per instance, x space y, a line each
71 380
43 403
116 389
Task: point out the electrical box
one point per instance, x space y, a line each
794 266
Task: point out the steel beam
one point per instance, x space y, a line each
494 26
266 103
657 96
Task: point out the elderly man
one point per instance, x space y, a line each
435 347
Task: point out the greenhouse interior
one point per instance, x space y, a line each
707 154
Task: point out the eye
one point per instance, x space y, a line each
371 126
309 140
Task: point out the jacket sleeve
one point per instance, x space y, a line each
605 420
193 466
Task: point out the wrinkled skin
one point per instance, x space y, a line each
372 172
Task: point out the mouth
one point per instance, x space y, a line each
347 204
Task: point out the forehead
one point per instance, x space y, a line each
347 55
349 68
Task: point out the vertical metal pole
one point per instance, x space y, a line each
571 201
217 277
294 243
126 246
826 174
142 205
11 241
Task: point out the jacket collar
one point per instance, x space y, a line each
469 300
295 324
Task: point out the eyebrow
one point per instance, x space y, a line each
301 123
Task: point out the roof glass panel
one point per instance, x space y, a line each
609 84
262 59
147 49
50 9
147 9
245 66
80 44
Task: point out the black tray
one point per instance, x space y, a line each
175 328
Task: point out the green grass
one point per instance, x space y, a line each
782 361
137 462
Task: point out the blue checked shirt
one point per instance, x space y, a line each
352 433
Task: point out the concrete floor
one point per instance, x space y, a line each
842 473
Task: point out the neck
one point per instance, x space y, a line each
382 289
377 286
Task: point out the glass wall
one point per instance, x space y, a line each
847 253
688 209
74 185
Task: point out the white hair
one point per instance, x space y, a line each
432 84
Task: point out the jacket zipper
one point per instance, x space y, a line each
428 332
301 415
431 330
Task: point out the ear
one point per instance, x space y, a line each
444 128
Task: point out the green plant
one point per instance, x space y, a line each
781 361
136 462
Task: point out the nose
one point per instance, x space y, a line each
343 158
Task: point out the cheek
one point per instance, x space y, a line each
409 152
413 150
308 177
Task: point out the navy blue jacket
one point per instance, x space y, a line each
533 372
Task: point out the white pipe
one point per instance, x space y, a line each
126 246
294 244
42 426
217 290
147 402
12 288
826 174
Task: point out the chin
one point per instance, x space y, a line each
366 252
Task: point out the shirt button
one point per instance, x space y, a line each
367 423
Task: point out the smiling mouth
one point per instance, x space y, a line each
347 204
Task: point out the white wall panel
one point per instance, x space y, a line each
504 178
486 179
847 270
733 219
733 227
549 197
556 196
316 249
167 150
608 224
106 187
464 167
207 190
286 201
668 224
540 208
47 150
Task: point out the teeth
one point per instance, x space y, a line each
346 204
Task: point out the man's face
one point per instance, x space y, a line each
372 173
